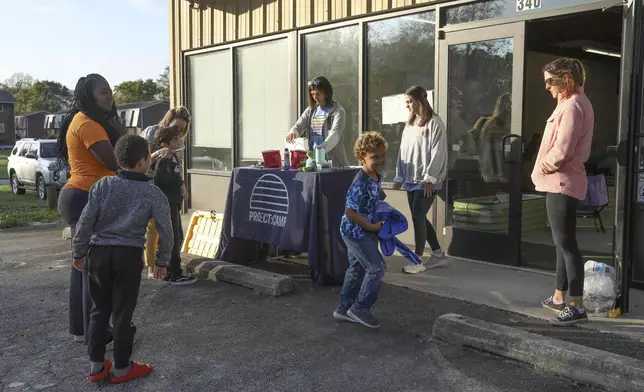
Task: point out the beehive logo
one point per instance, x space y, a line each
269 201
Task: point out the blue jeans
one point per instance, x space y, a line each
364 276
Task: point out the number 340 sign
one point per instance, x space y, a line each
525 5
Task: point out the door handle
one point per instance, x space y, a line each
506 146
619 151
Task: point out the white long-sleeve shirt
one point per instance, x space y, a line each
422 157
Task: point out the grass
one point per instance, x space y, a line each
4 154
21 210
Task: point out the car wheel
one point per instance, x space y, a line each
40 188
15 185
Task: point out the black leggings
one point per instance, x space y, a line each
423 229
175 270
562 214
71 202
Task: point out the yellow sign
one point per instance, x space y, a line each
202 236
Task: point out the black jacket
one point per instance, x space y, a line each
167 176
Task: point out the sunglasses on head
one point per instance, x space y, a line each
314 83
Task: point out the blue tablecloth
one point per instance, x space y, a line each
292 210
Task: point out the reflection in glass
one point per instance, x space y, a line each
471 12
210 89
262 76
400 53
334 55
489 9
479 116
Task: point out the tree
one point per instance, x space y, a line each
17 82
164 84
43 95
136 91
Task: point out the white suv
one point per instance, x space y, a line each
32 164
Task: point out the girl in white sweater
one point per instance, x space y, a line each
421 170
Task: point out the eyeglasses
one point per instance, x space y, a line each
313 83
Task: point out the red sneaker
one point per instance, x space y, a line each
138 370
107 366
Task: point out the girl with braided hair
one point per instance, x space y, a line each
559 172
86 145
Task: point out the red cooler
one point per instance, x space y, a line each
297 158
272 159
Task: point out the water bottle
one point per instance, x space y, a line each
600 287
287 159
320 154
596 267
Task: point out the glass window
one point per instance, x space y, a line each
25 148
33 149
489 9
334 54
211 105
263 98
400 54
48 150
479 116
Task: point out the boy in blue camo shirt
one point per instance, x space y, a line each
366 265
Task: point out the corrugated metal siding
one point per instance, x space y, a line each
219 21
208 25
230 26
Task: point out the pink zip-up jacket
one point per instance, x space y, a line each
565 147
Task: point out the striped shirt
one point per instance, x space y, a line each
317 124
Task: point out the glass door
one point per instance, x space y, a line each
480 86
630 172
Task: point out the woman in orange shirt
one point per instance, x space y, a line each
86 143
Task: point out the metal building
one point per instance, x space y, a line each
241 67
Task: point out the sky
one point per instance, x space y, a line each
62 40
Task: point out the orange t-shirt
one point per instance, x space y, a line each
85 169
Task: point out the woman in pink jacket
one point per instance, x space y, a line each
559 171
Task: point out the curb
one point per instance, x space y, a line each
261 281
37 226
582 364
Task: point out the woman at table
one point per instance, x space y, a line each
559 171
180 117
86 144
323 122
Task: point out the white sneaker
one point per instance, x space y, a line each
79 338
414 268
437 259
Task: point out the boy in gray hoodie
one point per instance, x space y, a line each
109 241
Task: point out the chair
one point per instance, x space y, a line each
596 200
